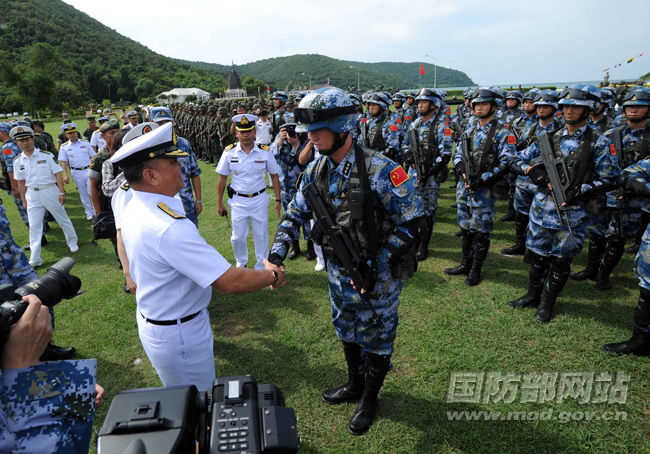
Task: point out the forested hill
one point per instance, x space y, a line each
48 41
294 71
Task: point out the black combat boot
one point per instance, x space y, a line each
466 242
351 391
559 274
365 412
310 254
539 265
521 226
639 343
55 353
597 245
423 246
481 247
613 253
295 250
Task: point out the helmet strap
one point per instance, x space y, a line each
339 141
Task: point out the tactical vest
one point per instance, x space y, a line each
429 149
580 162
375 139
356 229
485 156
634 153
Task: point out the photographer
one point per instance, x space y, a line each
47 407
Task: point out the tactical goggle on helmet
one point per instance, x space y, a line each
427 94
574 96
326 108
547 98
485 95
379 98
638 96
531 95
515 94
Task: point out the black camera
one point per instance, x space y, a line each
291 131
55 284
241 416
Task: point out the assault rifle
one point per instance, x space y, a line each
341 243
470 170
558 177
418 163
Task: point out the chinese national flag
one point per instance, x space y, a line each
422 70
398 176
268 88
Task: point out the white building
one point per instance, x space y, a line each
180 94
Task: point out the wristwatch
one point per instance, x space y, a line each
276 276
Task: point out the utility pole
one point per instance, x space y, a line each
435 70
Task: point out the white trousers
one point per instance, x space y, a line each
256 211
37 203
182 354
80 178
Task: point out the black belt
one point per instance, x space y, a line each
249 195
187 318
79 168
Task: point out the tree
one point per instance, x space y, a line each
190 98
144 88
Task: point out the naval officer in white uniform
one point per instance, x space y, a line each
76 154
173 267
248 164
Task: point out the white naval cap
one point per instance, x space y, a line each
244 122
157 143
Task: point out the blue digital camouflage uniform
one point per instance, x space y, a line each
525 189
546 235
389 134
48 408
444 145
351 316
410 114
641 171
475 212
512 115
189 168
356 129
9 151
16 269
629 218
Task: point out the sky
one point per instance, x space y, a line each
492 41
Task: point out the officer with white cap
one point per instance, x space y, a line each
76 154
40 183
172 265
248 164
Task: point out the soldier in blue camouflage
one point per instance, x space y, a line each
637 182
428 144
513 111
545 107
364 315
280 99
378 132
189 169
356 129
530 117
491 148
552 241
46 407
601 119
621 220
9 151
286 148
410 109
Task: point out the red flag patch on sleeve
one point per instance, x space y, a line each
511 140
398 176
393 128
407 118
447 131
399 120
6 151
363 120
612 149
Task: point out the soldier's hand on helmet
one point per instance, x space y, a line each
28 337
279 271
537 176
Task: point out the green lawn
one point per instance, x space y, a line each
286 338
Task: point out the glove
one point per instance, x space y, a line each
275 259
369 280
637 187
538 176
572 195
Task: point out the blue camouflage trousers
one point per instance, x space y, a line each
429 197
475 212
557 243
190 212
353 319
524 193
642 261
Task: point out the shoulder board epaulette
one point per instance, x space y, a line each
65 143
169 211
264 147
229 147
125 186
96 131
45 151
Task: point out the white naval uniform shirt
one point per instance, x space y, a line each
263 132
97 140
171 264
76 154
248 170
37 170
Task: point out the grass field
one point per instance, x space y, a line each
286 338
